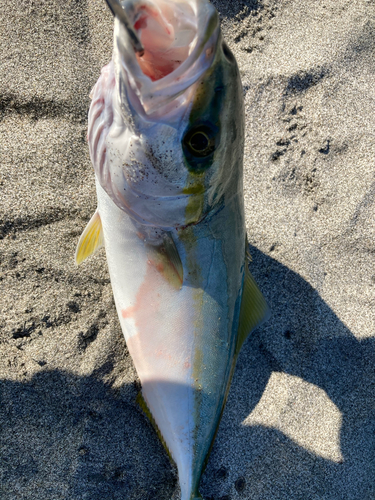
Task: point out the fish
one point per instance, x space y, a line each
166 140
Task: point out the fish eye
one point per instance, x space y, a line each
199 142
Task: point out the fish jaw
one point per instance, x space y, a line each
180 39
182 342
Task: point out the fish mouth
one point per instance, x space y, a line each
179 40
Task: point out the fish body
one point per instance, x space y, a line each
166 135
182 341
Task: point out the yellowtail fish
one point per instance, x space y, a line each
166 133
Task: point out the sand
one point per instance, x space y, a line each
300 417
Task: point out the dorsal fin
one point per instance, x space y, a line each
91 239
254 308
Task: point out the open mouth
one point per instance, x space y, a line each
167 34
178 39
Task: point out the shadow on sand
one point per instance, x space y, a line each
69 437
304 338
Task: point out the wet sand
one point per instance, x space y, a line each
300 417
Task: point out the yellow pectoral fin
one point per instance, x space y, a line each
166 259
254 309
91 239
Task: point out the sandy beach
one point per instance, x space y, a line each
300 418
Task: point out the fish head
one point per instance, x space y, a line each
174 150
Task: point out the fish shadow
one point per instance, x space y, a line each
71 437
303 339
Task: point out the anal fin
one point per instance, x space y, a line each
91 239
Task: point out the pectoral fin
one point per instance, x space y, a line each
91 239
254 308
166 259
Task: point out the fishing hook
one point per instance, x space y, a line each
117 10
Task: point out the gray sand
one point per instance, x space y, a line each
300 418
